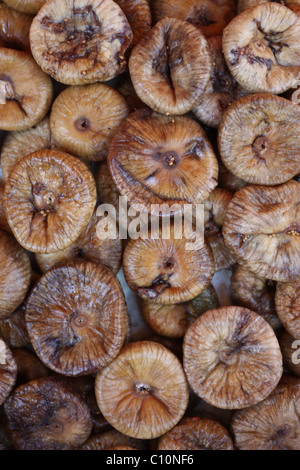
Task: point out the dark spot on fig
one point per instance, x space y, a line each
82 124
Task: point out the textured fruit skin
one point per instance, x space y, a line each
47 414
13 329
139 16
143 393
14 28
287 301
290 352
88 322
112 438
8 371
27 6
232 358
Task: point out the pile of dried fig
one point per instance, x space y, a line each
149 339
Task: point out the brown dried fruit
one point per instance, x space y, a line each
138 14
14 28
210 16
244 4
173 320
290 348
15 274
84 119
143 393
47 414
29 367
227 180
127 90
25 90
76 318
256 293
262 228
287 300
13 329
112 438
17 145
196 434
215 208
3 221
80 41
8 371
272 424
49 199
156 159
167 73
259 139
262 49
27 6
232 358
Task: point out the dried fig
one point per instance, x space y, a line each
262 50
196 433
80 41
3 221
29 367
156 159
108 192
259 139
13 329
84 119
256 293
49 199
8 371
127 90
287 301
143 393
47 414
27 6
26 91
210 16
14 28
290 348
167 73
244 4
232 358
15 274
272 424
76 318
227 180
17 145
138 14
112 438
262 228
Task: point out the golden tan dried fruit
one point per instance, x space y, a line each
29 367
232 358
84 119
49 199
26 91
27 6
15 274
88 322
8 371
272 424
256 293
173 320
215 208
287 301
143 393
80 41
259 139
20 143
210 16
156 159
262 228
244 4
196 433
167 73
14 28
138 14
290 348
13 329
112 438
47 414
262 50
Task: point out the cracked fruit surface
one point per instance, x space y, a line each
287 301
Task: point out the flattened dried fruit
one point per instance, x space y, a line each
290 348
88 246
8 371
287 302
80 41
167 73
164 271
262 49
244 4
13 329
143 393
27 6
76 318
127 90
262 228
255 292
138 14
84 119
272 424
47 414
221 90
210 16
156 159
3 221
15 274
25 90
232 358
14 28
49 199
18 144
227 180
112 438
29 367
259 139
196 433
214 212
